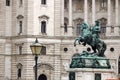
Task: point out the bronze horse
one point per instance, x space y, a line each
91 37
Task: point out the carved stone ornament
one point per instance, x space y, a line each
43 17
20 17
19 66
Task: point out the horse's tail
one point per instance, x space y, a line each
103 48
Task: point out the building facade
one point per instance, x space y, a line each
56 24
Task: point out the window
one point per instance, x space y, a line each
103 23
103 29
97 76
119 65
20 49
65 27
65 4
103 4
7 2
43 27
20 26
43 2
72 75
19 66
78 29
112 29
77 24
43 50
20 3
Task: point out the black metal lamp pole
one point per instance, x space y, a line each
36 48
36 59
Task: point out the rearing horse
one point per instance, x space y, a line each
91 37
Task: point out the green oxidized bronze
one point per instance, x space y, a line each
91 37
96 59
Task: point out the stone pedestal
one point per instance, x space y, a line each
91 74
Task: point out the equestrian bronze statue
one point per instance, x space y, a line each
90 36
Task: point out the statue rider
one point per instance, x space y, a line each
95 33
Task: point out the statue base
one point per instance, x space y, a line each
89 60
90 74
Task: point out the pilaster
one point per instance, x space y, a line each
85 10
93 12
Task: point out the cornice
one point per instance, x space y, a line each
53 37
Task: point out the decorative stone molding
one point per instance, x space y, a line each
43 17
19 66
20 17
45 65
79 20
103 20
19 44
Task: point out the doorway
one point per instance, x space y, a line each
42 77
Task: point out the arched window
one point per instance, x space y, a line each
43 2
43 27
42 77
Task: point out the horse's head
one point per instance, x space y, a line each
83 26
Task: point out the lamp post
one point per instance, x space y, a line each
36 48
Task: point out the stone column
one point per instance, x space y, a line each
85 11
70 12
62 13
8 61
93 12
109 12
116 12
108 29
116 17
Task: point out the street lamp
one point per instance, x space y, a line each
36 48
